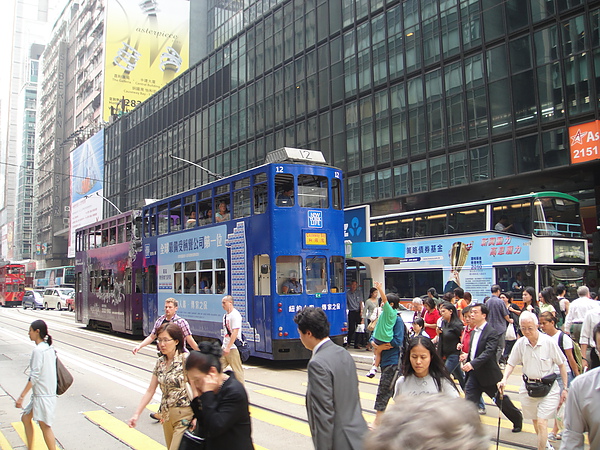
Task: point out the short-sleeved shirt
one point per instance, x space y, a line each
431 318
231 321
546 307
294 287
414 386
172 383
537 361
497 312
179 321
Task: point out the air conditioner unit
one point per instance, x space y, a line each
67 208
66 222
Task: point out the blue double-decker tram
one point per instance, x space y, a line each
272 237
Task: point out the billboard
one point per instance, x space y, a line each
87 175
147 46
585 142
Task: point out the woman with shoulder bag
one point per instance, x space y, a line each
42 381
540 395
220 402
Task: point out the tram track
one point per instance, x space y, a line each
112 341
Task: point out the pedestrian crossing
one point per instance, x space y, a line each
137 440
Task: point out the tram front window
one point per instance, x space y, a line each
316 274
557 217
289 274
313 191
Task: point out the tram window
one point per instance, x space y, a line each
313 191
205 210
222 209
104 238
176 215
163 219
260 198
121 234
241 203
112 235
220 276
316 274
206 276
191 216
151 286
466 221
78 283
336 194
138 281
189 281
127 287
517 215
336 274
284 189
289 274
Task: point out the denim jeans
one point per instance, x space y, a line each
453 367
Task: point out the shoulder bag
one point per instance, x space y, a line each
240 344
64 379
191 441
539 387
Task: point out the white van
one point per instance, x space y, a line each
56 298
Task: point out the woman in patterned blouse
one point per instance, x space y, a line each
168 373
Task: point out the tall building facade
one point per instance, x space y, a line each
30 30
70 112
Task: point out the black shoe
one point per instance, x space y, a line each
155 416
517 428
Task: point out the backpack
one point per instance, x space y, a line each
576 352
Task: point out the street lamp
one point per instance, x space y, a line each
216 175
105 199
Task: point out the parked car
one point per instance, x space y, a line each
56 298
33 299
71 301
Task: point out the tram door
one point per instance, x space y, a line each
262 303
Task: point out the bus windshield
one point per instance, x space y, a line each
556 217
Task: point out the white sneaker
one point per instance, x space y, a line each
549 446
372 372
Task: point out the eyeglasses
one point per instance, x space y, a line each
162 341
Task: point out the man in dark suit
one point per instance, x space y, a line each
482 370
332 401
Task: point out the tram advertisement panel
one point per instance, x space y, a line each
467 263
192 269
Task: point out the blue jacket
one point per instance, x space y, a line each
390 357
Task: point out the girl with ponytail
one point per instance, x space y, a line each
42 382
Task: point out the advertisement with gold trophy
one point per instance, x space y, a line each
147 46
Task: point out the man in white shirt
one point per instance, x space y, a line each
232 324
583 408
590 358
577 311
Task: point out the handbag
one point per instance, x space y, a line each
360 328
191 441
243 348
540 387
64 379
511 334
372 323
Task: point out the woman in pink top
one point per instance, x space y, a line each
431 317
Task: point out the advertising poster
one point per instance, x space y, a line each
147 46
194 260
469 263
87 174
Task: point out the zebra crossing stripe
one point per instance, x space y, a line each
121 431
4 444
286 423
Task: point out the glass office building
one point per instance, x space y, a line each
421 102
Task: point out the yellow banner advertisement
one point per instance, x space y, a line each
147 46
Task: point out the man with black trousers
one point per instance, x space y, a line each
354 303
482 370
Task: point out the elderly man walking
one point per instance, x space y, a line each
577 312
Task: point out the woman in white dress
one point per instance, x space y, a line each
42 383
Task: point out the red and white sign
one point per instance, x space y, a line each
585 142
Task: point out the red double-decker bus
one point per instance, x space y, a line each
12 284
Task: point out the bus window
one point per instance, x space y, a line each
336 193
466 221
260 198
289 270
222 209
514 279
512 217
284 189
556 217
571 277
313 191
241 203
220 276
336 274
316 274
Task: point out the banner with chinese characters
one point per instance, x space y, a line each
469 262
585 142
146 47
